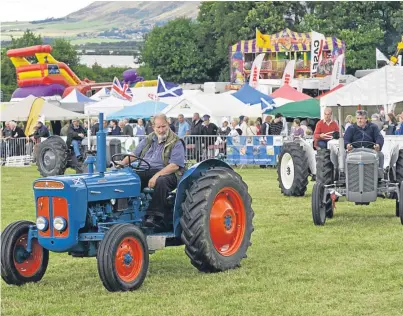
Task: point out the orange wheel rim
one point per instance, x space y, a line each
227 221
129 259
27 264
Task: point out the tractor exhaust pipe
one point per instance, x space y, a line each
101 146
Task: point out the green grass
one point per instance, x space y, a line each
351 266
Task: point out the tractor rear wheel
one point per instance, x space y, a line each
123 258
292 170
324 167
51 158
320 209
17 265
217 220
399 167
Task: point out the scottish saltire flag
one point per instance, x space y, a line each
168 89
265 105
122 92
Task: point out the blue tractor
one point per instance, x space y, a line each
101 215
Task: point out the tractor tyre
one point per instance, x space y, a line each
123 258
51 157
399 167
324 167
292 170
217 220
320 210
17 265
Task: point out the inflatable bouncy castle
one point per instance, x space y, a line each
47 77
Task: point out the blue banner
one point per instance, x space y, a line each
256 150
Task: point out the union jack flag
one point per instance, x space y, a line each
122 92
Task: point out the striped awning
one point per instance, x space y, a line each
286 41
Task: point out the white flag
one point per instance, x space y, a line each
380 56
336 72
288 74
317 44
255 71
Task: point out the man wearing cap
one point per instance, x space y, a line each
196 130
208 130
40 131
75 135
364 134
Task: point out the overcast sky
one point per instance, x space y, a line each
29 10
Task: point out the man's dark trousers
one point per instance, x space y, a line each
164 184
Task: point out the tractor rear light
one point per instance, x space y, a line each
42 223
49 185
59 223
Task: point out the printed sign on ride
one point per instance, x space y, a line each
317 44
255 75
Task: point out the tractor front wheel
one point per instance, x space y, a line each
17 265
321 209
217 220
123 258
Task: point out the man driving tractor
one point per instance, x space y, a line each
165 153
364 134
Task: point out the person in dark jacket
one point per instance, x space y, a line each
127 128
17 133
149 126
115 129
75 135
196 130
94 127
364 134
209 129
41 131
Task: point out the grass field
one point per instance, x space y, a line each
351 266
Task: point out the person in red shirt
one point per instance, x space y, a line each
324 130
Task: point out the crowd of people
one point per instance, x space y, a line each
200 132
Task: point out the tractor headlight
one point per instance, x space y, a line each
59 223
42 223
113 201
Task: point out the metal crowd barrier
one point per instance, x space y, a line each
16 151
242 150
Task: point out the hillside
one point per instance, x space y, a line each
103 21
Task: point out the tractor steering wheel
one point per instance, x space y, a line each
365 142
137 168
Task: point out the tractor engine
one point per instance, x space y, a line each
362 175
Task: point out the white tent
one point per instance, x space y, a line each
381 87
101 94
215 105
20 111
106 106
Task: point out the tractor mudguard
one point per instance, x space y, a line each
186 181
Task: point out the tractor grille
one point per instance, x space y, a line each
369 180
353 179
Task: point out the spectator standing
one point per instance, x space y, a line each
183 126
196 130
139 130
65 128
348 122
264 129
298 130
209 129
375 120
149 126
391 124
277 125
258 125
16 133
244 124
114 128
399 128
171 124
127 128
